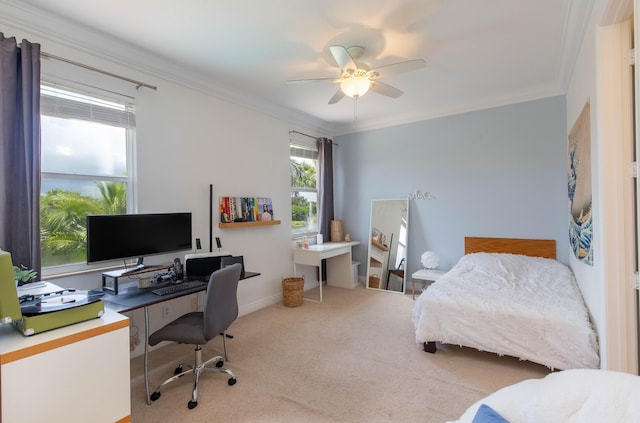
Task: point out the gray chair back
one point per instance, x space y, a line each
221 300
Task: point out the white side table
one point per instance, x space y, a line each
430 275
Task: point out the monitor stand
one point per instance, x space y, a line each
143 274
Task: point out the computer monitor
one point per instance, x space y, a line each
126 236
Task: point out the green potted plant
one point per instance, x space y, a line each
22 275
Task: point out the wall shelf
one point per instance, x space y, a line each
231 225
379 244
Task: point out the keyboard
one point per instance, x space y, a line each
184 286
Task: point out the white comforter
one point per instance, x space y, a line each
526 307
571 396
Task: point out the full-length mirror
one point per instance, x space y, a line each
388 233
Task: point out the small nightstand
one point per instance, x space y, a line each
430 275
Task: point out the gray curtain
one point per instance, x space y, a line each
20 143
325 187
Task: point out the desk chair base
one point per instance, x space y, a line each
224 344
197 368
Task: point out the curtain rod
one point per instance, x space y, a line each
301 133
293 131
124 78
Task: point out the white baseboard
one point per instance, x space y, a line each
260 304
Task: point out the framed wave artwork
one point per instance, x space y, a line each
580 192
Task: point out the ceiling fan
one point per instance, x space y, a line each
357 78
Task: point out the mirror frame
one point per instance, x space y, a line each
385 249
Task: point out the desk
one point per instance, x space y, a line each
131 298
74 374
338 256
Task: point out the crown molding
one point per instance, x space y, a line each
453 109
74 41
617 11
577 14
60 36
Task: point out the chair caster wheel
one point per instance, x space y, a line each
154 396
192 404
219 363
178 370
232 381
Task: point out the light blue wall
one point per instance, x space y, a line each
498 172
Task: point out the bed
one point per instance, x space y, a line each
569 396
510 297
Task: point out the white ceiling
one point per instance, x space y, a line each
479 53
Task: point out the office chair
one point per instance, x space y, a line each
399 272
197 328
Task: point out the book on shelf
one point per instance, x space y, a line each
265 209
245 209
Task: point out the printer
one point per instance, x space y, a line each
44 307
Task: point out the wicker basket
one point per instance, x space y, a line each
292 291
374 281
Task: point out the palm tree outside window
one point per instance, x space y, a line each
304 191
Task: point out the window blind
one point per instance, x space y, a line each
61 103
304 152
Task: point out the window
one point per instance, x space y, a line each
304 191
86 168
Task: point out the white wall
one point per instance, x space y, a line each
240 152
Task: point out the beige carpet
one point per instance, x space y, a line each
352 358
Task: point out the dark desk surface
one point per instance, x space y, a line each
131 297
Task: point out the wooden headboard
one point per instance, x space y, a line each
528 247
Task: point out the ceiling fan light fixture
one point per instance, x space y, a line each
355 86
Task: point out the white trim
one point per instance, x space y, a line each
614 115
576 18
617 11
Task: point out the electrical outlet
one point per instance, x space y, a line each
165 311
194 303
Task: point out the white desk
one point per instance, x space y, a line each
77 373
338 256
431 275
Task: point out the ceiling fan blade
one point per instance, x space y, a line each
336 97
384 89
301 81
396 68
343 58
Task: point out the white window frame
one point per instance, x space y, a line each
117 118
308 150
